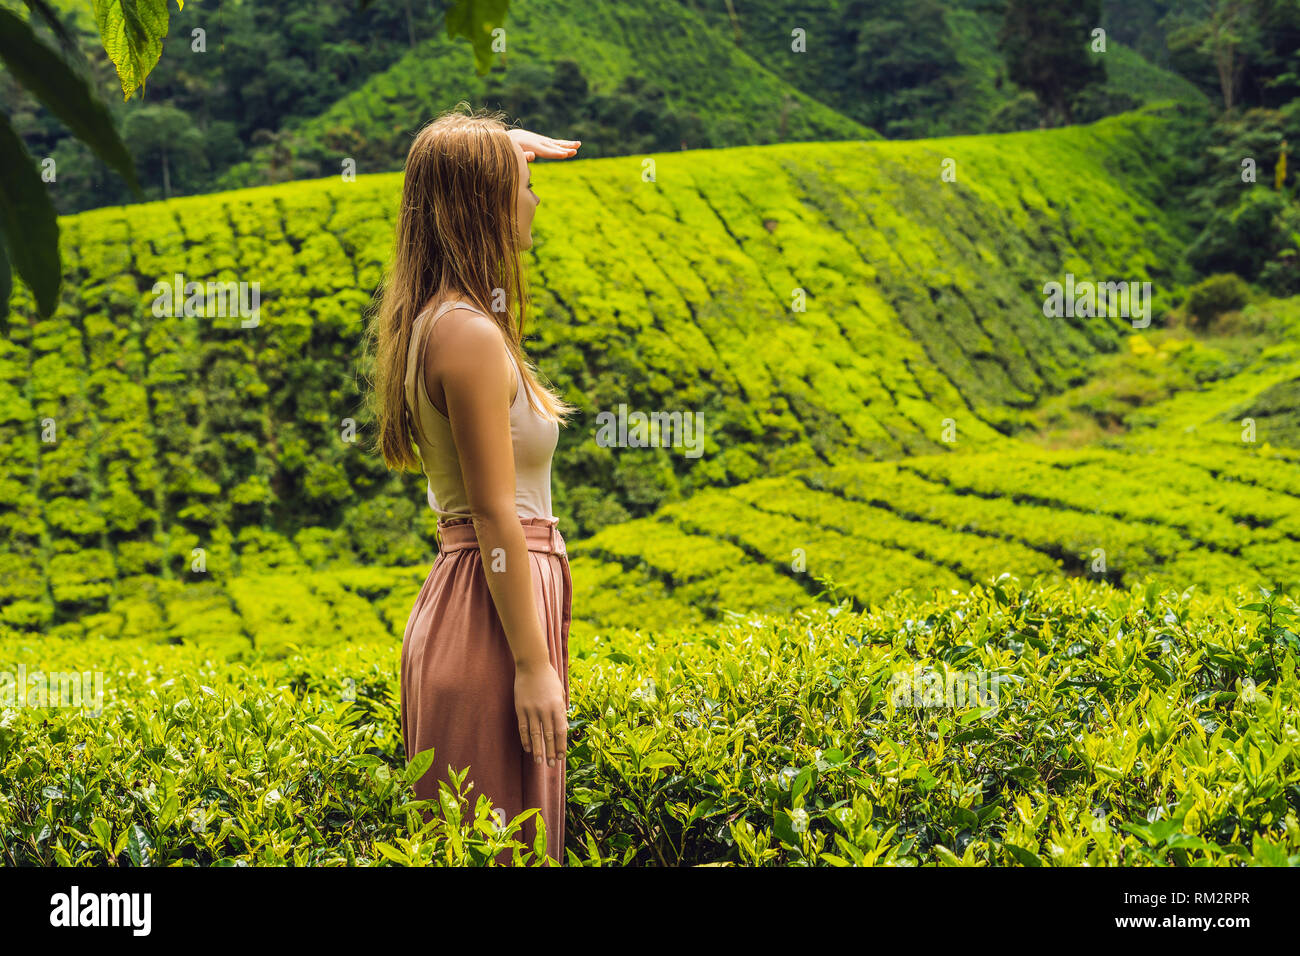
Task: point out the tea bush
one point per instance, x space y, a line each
1007 724
195 760
1132 728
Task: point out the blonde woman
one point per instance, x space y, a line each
485 662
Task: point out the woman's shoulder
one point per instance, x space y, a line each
468 338
465 322
437 307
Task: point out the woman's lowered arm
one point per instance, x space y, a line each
478 394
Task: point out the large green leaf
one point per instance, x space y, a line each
27 221
475 20
419 765
66 94
133 31
139 846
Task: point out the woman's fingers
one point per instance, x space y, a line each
546 736
544 730
543 145
555 148
561 734
535 732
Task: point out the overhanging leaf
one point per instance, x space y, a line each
67 95
132 32
475 20
27 221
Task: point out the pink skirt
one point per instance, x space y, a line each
458 677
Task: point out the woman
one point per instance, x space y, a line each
485 665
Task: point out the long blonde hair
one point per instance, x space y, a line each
457 228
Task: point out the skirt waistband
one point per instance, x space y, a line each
541 534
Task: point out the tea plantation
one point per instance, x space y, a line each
816 304
908 469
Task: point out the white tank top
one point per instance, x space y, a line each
534 439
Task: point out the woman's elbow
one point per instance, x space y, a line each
494 518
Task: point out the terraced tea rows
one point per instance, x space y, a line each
1259 405
935 523
1211 520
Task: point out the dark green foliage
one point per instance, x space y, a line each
1243 54
1046 47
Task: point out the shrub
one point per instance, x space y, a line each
1067 724
1208 300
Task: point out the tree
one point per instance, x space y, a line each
902 59
165 138
1224 37
1045 43
1248 51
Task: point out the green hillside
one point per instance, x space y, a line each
576 67
921 68
922 335
1195 482
567 64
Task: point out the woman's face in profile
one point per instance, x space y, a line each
527 200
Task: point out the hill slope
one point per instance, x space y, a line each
575 66
1205 519
923 314
920 69
677 73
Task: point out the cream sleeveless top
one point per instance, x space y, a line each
534 438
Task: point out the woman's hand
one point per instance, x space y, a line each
543 716
534 145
